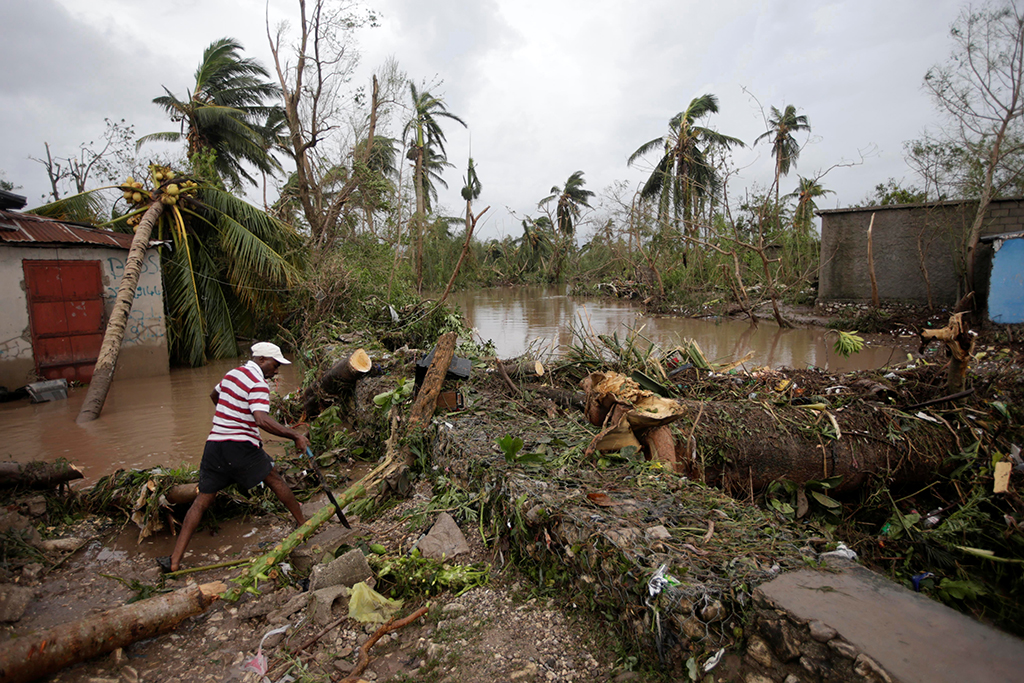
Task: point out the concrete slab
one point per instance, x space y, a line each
916 639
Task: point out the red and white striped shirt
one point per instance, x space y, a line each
242 392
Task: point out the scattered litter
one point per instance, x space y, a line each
713 662
1002 477
841 552
259 662
368 606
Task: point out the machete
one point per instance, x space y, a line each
323 483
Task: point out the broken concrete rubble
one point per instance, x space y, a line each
14 600
347 570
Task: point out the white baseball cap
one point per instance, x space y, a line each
268 350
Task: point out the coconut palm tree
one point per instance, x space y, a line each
806 192
683 174
570 199
785 149
426 142
226 111
226 264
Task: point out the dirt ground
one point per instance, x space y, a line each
501 632
505 631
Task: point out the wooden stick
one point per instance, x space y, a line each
941 399
871 264
364 649
508 380
208 567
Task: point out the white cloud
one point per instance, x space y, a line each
547 87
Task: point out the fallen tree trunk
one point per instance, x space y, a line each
524 369
344 373
747 445
261 566
38 474
426 400
182 494
39 654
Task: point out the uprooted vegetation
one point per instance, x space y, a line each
768 469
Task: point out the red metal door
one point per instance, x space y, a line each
65 303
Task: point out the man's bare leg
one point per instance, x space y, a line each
285 495
188 527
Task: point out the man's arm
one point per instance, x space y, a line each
215 396
269 424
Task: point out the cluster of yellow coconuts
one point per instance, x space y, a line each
137 195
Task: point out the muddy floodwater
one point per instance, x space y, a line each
519 318
146 422
163 421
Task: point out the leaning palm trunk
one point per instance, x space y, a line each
103 374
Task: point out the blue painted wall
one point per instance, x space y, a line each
1006 293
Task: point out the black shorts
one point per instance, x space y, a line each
232 462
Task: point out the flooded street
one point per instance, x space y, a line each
163 421
516 317
146 422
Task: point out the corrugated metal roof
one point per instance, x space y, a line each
25 228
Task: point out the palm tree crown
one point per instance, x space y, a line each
684 172
226 112
426 143
570 199
806 192
781 126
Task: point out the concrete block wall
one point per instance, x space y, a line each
901 235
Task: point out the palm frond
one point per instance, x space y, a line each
79 208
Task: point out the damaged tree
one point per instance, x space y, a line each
724 442
345 373
41 475
39 654
959 341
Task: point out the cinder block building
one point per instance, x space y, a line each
58 283
917 250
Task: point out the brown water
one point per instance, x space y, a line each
163 421
147 422
516 318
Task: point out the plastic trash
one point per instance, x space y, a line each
367 606
841 552
657 582
918 578
259 662
713 662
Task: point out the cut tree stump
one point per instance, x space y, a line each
524 369
344 373
42 475
39 654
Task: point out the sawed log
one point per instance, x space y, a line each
345 372
524 369
39 654
41 475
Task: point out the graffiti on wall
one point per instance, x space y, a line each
145 324
14 349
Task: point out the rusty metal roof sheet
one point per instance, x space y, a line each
25 229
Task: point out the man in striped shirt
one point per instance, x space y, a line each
234 451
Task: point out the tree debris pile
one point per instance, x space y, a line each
670 562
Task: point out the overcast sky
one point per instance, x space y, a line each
547 87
